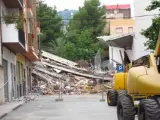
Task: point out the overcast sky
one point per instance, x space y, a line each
74 4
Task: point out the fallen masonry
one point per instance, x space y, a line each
54 74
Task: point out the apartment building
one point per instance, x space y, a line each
19 47
119 22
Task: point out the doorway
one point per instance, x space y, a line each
6 85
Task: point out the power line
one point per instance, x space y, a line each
140 16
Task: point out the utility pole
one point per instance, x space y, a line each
102 85
60 88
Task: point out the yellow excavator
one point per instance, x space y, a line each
142 85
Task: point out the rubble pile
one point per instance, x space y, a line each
53 74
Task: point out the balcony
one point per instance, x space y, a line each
13 3
115 16
13 39
32 54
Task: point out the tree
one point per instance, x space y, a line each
87 24
56 47
153 31
50 21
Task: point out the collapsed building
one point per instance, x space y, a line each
53 73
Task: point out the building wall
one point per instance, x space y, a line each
1 68
141 23
123 23
10 57
1 86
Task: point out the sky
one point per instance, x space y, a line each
74 4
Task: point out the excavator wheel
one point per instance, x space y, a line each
112 97
125 108
148 110
121 93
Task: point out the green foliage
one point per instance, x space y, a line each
50 21
20 22
11 18
56 47
87 24
152 32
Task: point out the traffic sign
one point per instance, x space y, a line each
120 68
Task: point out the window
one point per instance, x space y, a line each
130 29
119 30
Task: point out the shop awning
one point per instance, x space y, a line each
122 41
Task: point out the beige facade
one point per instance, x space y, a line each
121 26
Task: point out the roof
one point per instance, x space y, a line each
122 41
124 6
58 59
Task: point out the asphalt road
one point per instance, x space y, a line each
83 107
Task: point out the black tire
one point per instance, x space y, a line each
112 97
125 109
121 93
148 109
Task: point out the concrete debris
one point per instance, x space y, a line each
53 75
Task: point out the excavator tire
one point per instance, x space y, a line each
112 97
121 93
125 109
148 110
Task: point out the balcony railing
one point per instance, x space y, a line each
21 35
114 16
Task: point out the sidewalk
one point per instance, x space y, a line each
9 107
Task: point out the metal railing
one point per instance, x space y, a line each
3 85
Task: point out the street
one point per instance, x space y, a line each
83 107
